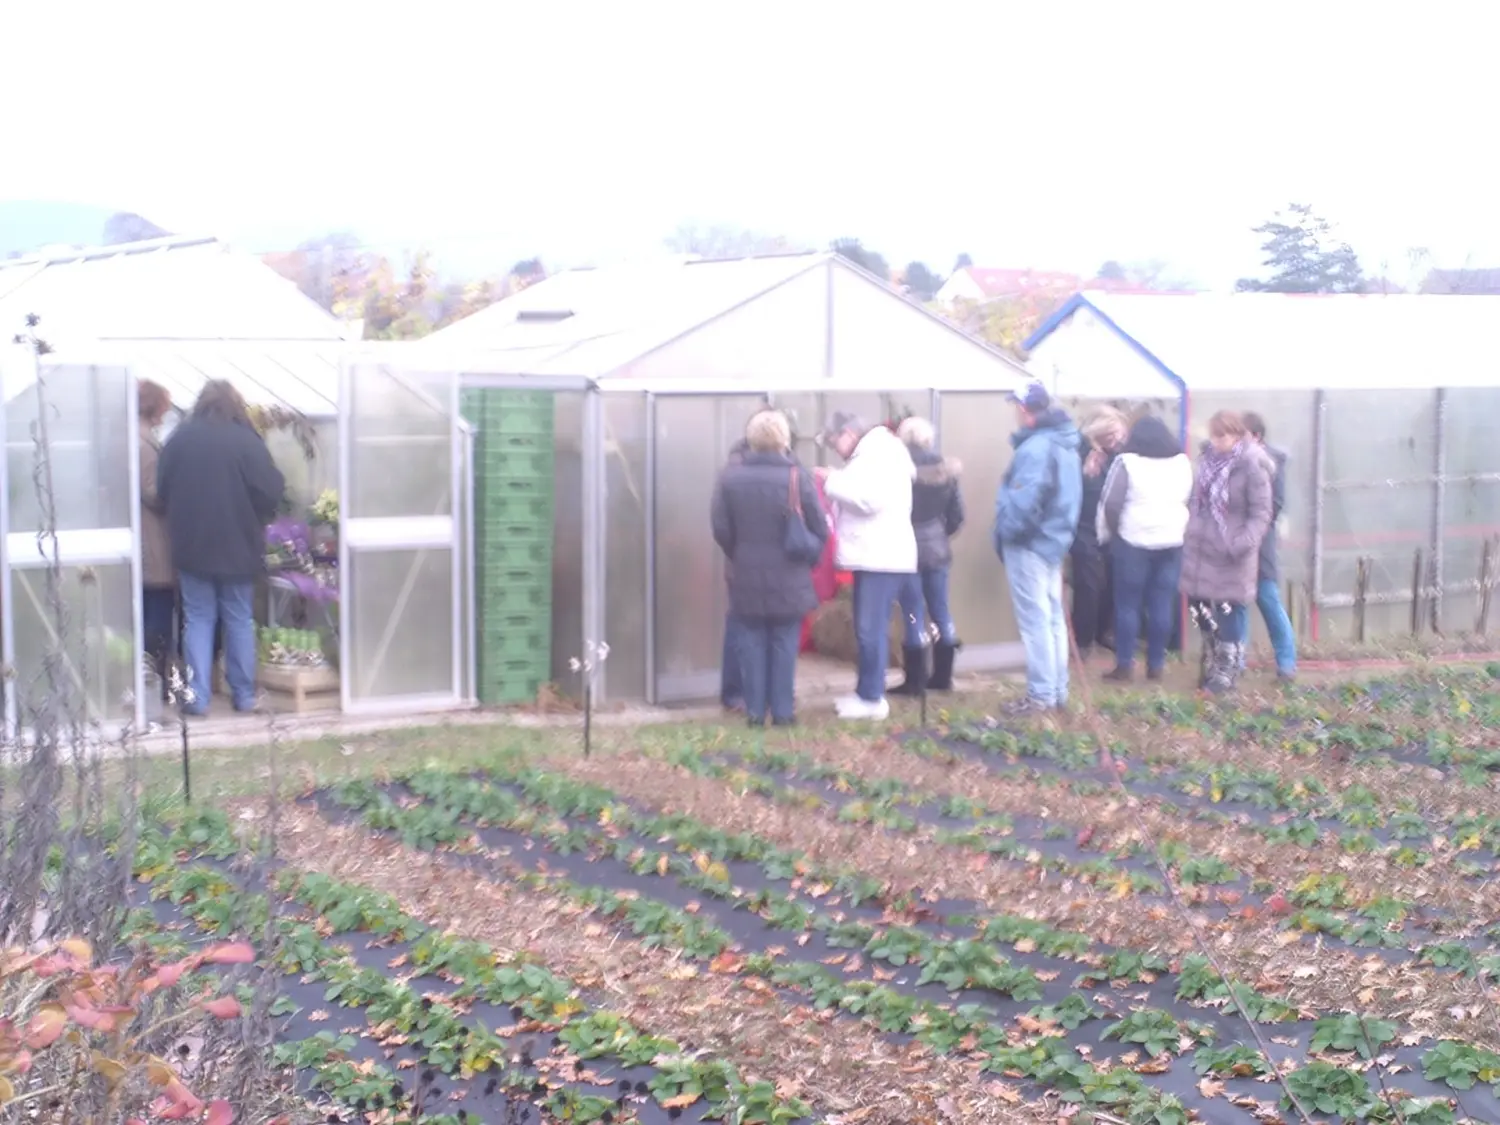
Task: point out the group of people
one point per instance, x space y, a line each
207 493
1119 502
886 516
1141 527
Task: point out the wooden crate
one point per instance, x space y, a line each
309 688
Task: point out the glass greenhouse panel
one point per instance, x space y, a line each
402 506
89 448
625 608
403 604
401 428
96 655
976 429
693 434
1379 497
567 543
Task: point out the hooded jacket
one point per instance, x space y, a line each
1041 495
872 495
937 507
1270 568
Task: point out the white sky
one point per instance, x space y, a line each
1037 133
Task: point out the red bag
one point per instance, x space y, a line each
824 576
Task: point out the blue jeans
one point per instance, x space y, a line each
1036 591
731 684
924 596
1145 584
875 592
768 666
1278 625
205 602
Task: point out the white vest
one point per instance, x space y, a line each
1155 514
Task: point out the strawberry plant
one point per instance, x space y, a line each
1350 1032
1460 1065
1158 1031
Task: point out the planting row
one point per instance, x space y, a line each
954 963
502 1030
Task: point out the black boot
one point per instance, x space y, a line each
942 667
915 661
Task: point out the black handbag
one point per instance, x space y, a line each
800 544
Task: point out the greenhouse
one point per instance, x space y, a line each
1384 404
511 499
654 369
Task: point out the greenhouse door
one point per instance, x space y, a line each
691 437
402 579
72 464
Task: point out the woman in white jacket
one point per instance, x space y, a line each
1142 516
871 495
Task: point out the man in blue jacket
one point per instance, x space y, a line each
1036 518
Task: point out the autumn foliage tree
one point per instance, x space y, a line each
394 301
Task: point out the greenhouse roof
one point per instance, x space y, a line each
1221 341
180 311
782 319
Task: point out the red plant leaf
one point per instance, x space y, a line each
21 1064
46 1027
230 953
91 1019
169 975
219 1113
222 1007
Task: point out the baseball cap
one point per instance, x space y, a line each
1033 396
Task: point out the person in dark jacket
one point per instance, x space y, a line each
769 592
937 512
219 487
1093 608
731 690
1268 590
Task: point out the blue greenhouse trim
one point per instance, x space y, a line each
1079 301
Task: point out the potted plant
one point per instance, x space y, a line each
323 524
292 661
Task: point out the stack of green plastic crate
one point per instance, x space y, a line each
513 515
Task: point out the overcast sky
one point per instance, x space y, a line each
1037 133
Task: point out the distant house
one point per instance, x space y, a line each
1480 282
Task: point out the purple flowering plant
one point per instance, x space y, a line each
289 554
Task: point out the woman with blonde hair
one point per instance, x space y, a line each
757 504
1103 435
937 512
1228 516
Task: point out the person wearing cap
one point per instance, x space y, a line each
872 496
1036 519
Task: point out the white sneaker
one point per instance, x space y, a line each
864 709
850 700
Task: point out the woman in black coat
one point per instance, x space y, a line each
769 592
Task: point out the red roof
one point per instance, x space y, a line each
1006 283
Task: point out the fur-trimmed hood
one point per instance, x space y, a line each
937 470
